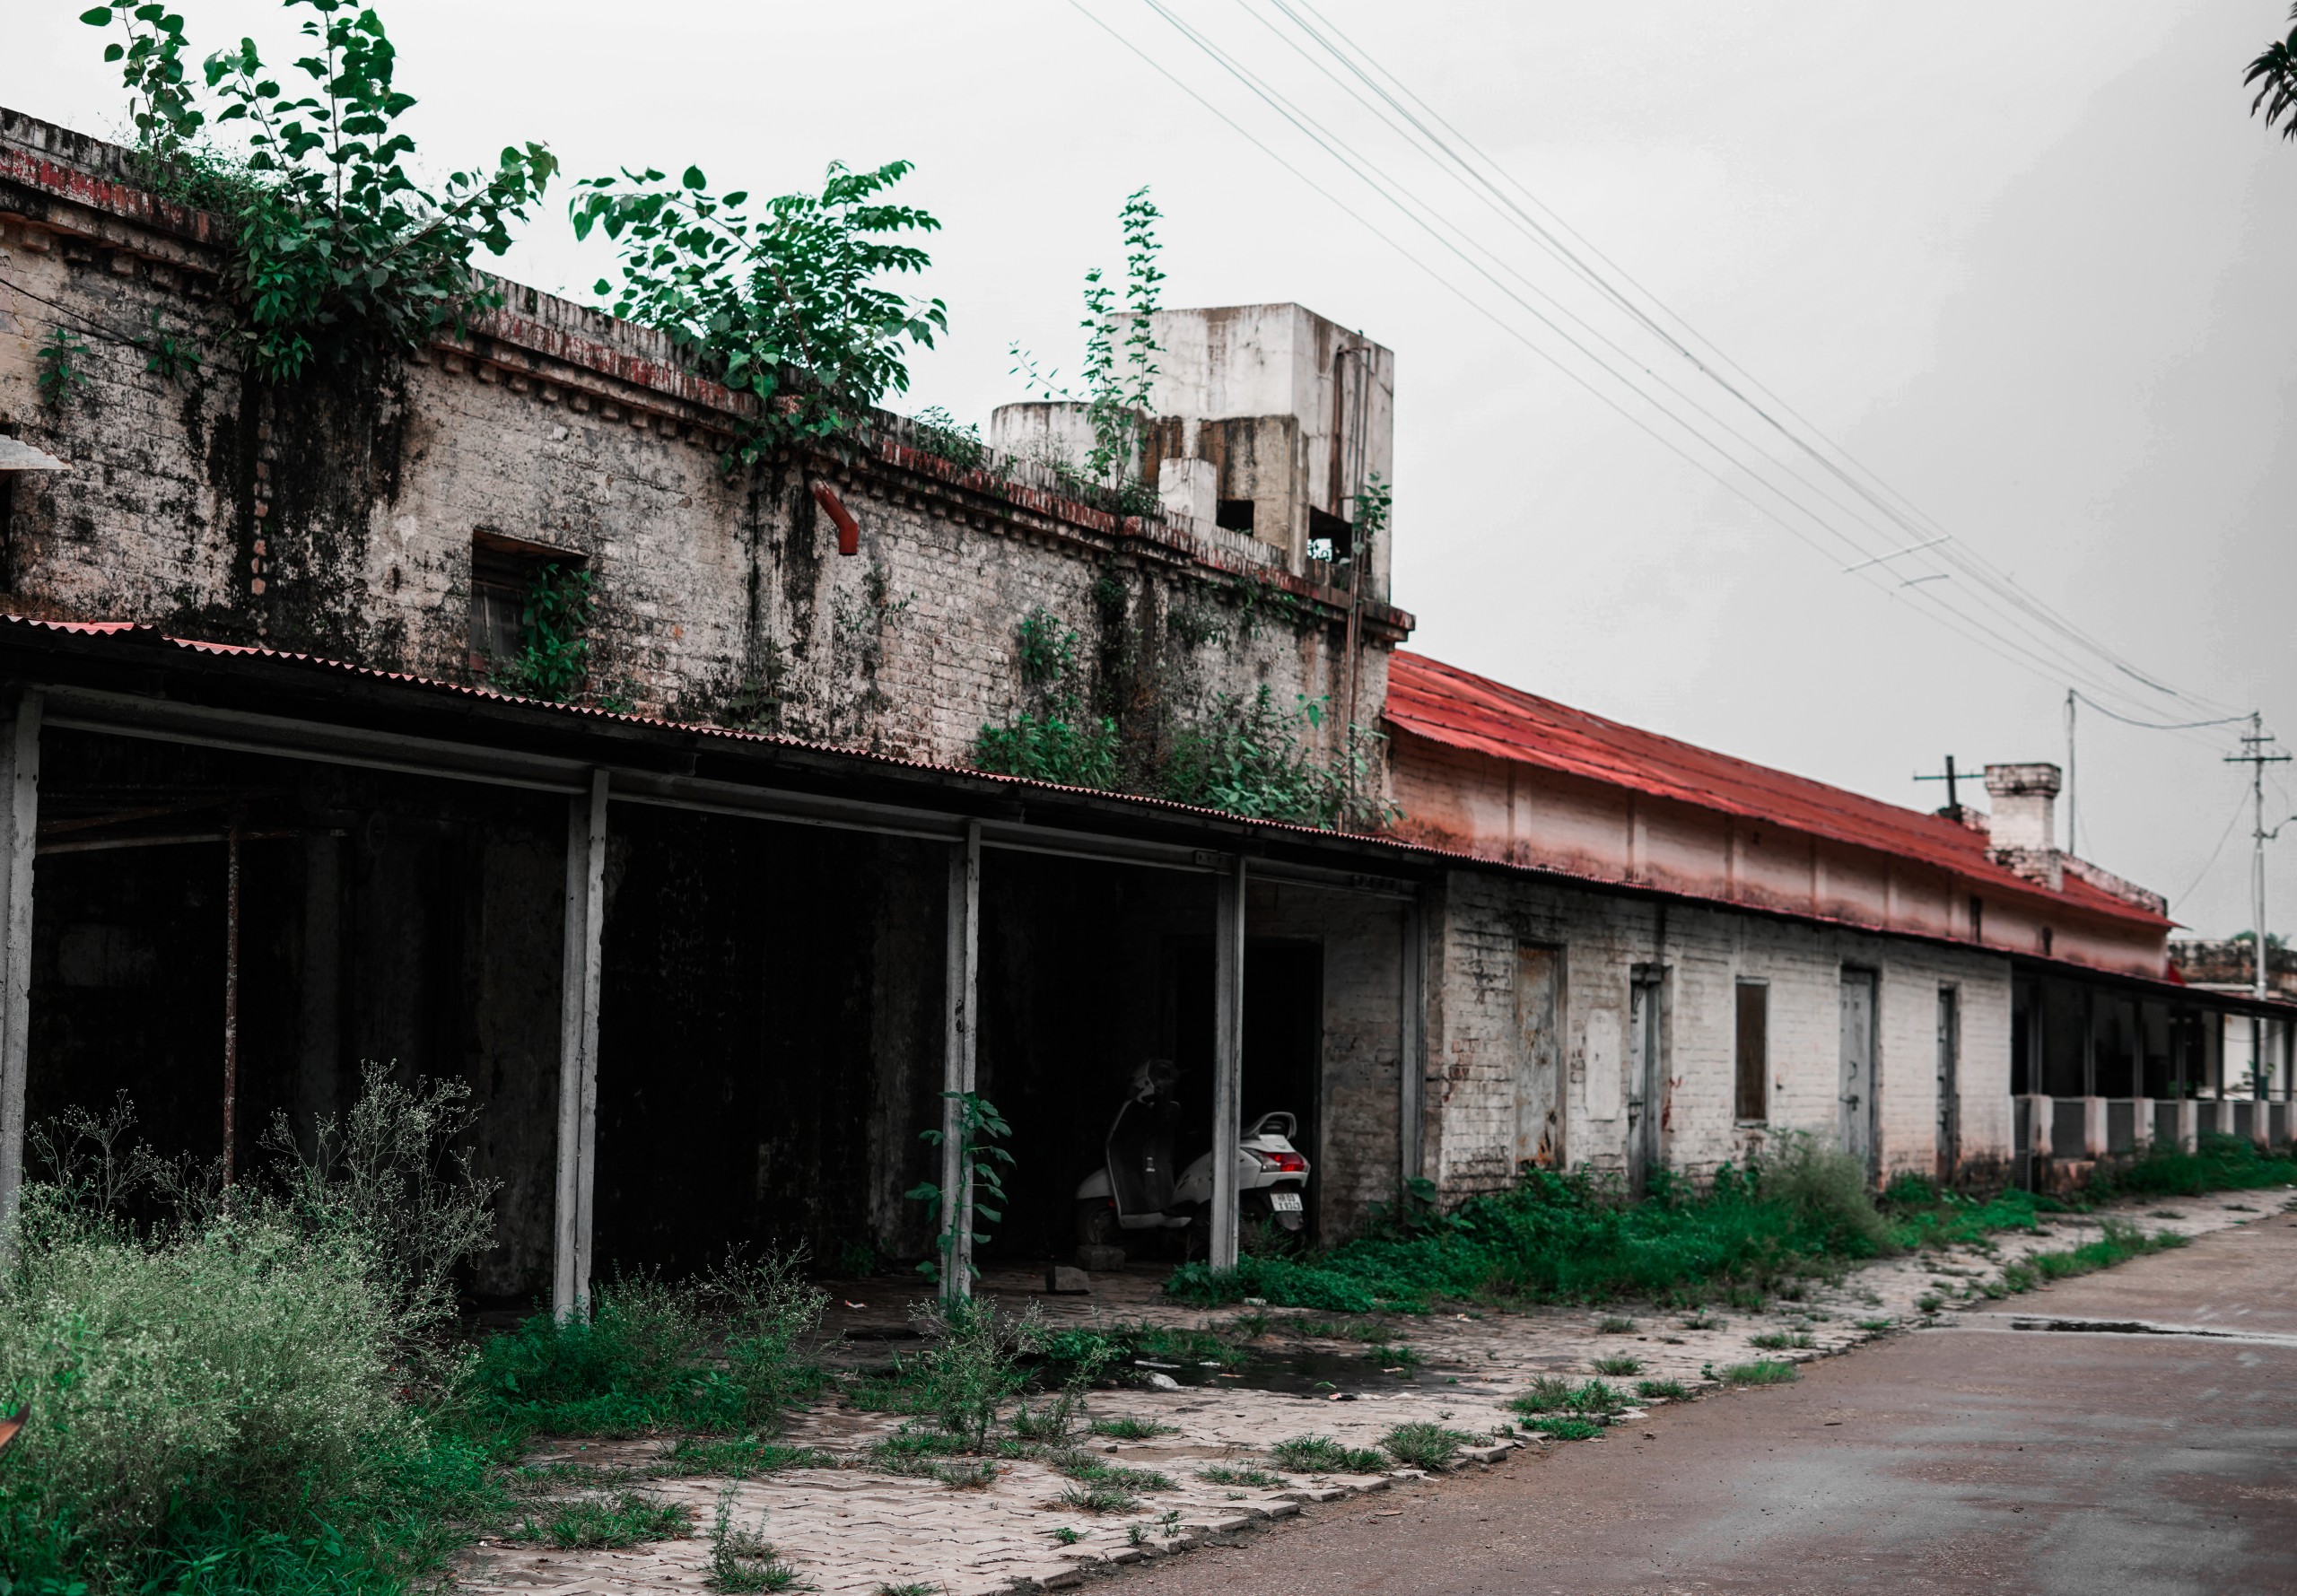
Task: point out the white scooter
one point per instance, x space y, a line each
1135 1188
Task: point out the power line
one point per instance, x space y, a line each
2235 819
2045 658
1989 585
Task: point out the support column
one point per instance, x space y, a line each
1412 1050
19 842
961 984
1227 1059
2188 1122
578 1049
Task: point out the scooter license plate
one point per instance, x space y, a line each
1284 1202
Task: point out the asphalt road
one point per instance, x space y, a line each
1979 1457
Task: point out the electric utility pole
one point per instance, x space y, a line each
1951 777
2256 753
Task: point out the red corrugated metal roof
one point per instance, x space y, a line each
1445 704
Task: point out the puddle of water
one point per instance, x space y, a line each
1306 1373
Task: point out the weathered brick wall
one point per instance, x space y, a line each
1474 1043
338 515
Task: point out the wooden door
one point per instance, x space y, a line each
1857 1093
1539 1073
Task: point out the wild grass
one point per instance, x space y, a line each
1574 1237
1618 1363
1673 1390
1761 1371
1321 1454
1228 1474
1781 1340
1615 1325
1128 1428
1561 1428
623 1519
2217 1163
1422 1445
255 1393
743 1562
1099 1498
1549 1394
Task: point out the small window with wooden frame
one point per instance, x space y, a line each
1753 1097
503 572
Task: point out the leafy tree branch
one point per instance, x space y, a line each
787 304
337 246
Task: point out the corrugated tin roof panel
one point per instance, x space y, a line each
1445 704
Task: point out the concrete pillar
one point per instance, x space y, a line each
2041 1120
2188 1123
961 982
2096 1140
1227 1059
578 1048
19 843
1411 1051
2141 1125
319 1020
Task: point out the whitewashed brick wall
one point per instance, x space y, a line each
1475 1047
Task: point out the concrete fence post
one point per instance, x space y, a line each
19 843
1412 1047
962 983
1227 1059
580 979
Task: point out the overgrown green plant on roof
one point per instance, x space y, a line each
1254 757
1056 735
788 304
1121 351
335 246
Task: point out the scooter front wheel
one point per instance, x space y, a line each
1096 1223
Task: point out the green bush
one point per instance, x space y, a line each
720 1355
236 1369
2217 1163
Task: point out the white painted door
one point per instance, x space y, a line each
1538 1074
1857 1122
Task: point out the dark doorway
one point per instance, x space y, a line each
1283 1040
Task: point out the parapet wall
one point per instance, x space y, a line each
338 516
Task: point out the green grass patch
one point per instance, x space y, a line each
1549 1394
1259 1479
1561 1427
1762 1371
1423 1446
2217 1163
1398 1357
1321 1454
736 1457
1614 1325
1129 1429
1651 1389
623 1519
1780 1340
1098 1498
1618 1363
1575 1237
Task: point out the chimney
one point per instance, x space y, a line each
2023 827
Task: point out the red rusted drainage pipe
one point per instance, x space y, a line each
848 530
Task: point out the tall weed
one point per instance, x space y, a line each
1574 1237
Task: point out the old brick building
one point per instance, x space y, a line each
710 943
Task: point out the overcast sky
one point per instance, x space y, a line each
2029 264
